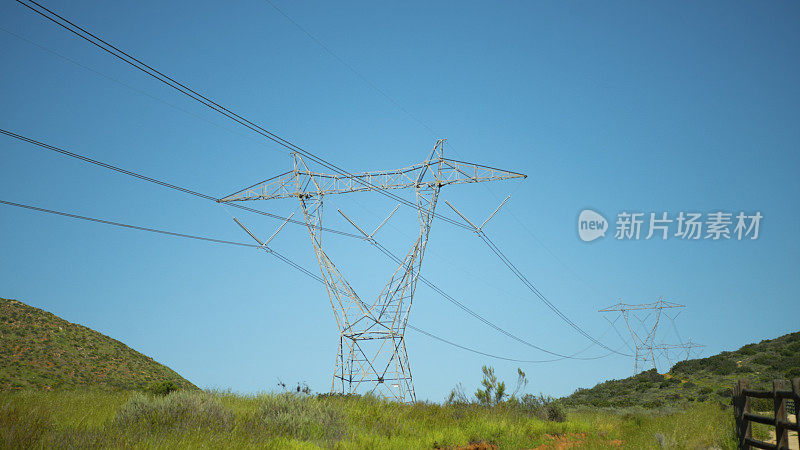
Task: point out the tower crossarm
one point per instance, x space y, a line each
427 174
661 304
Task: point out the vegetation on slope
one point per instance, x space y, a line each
39 350
699 379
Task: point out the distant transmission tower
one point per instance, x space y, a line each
643 333
372 350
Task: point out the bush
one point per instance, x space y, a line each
541 407
162 388
652 404
649 375
764 359
295 415
748 349
179 410
723 366
457 396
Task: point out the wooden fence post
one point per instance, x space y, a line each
748 427
740 407
781 433
737 413
796 400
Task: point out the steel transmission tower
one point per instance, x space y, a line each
643 336
372 353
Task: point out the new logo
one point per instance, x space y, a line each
591 225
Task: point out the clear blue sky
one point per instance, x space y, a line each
619 106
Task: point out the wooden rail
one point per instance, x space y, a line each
780 393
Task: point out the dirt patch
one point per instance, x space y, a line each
793 443
571 440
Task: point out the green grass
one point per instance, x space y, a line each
39 350
700 425
64 385
92 419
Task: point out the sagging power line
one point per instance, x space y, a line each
280 257
365 183
197 96
518 273
492 246
277 181
159 182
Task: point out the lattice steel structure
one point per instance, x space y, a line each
644 343
372 353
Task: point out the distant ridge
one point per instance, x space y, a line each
39 350
700 379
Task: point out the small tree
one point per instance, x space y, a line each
522 383
492 392
457 396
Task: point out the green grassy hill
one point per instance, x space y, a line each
699 379
39 350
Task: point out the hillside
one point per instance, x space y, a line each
39 350
699 379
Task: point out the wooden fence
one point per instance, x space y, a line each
782 392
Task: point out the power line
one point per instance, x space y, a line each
149 70
469 311
100 43
127 86
269 250
208 197
352 69
161 182
118 224
492 246
538 293
490 355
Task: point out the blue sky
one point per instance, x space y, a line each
619 106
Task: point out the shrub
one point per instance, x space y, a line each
764 359
657 403
688 367
457 396
649 375
794 372
541 407
298 416
748 349
723 366
178 410
162 388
